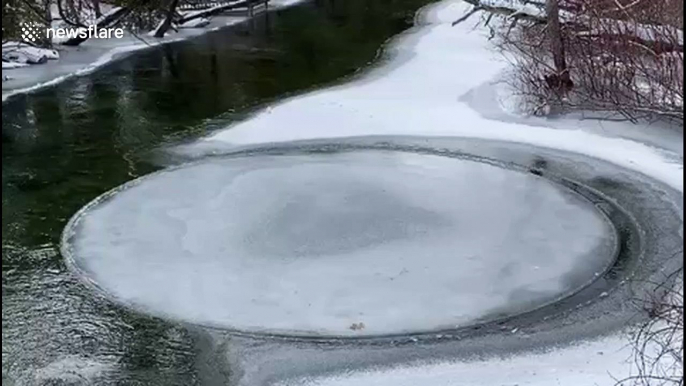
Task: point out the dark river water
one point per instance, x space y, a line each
64 145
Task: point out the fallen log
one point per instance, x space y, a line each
218 9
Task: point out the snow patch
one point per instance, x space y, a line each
589 363
195 23
71 369
11 65
22 53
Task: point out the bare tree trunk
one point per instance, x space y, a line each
168 20
47 42
74 22
561 80
96 8
74 12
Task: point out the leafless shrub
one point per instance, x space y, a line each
625 58
658 343
627 63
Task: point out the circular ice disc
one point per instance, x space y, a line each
340 244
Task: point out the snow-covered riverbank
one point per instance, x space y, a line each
443 81
94 53
447 81
589 364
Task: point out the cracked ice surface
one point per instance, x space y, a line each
312 244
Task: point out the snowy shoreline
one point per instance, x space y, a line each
96 53
421 86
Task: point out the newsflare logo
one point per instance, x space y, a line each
33 32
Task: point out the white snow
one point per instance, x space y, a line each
521 6
17 52
315 244
9 65
195 23
71 369
596 363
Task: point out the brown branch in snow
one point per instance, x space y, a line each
654 47
503 11
467 15
166 24
218 9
